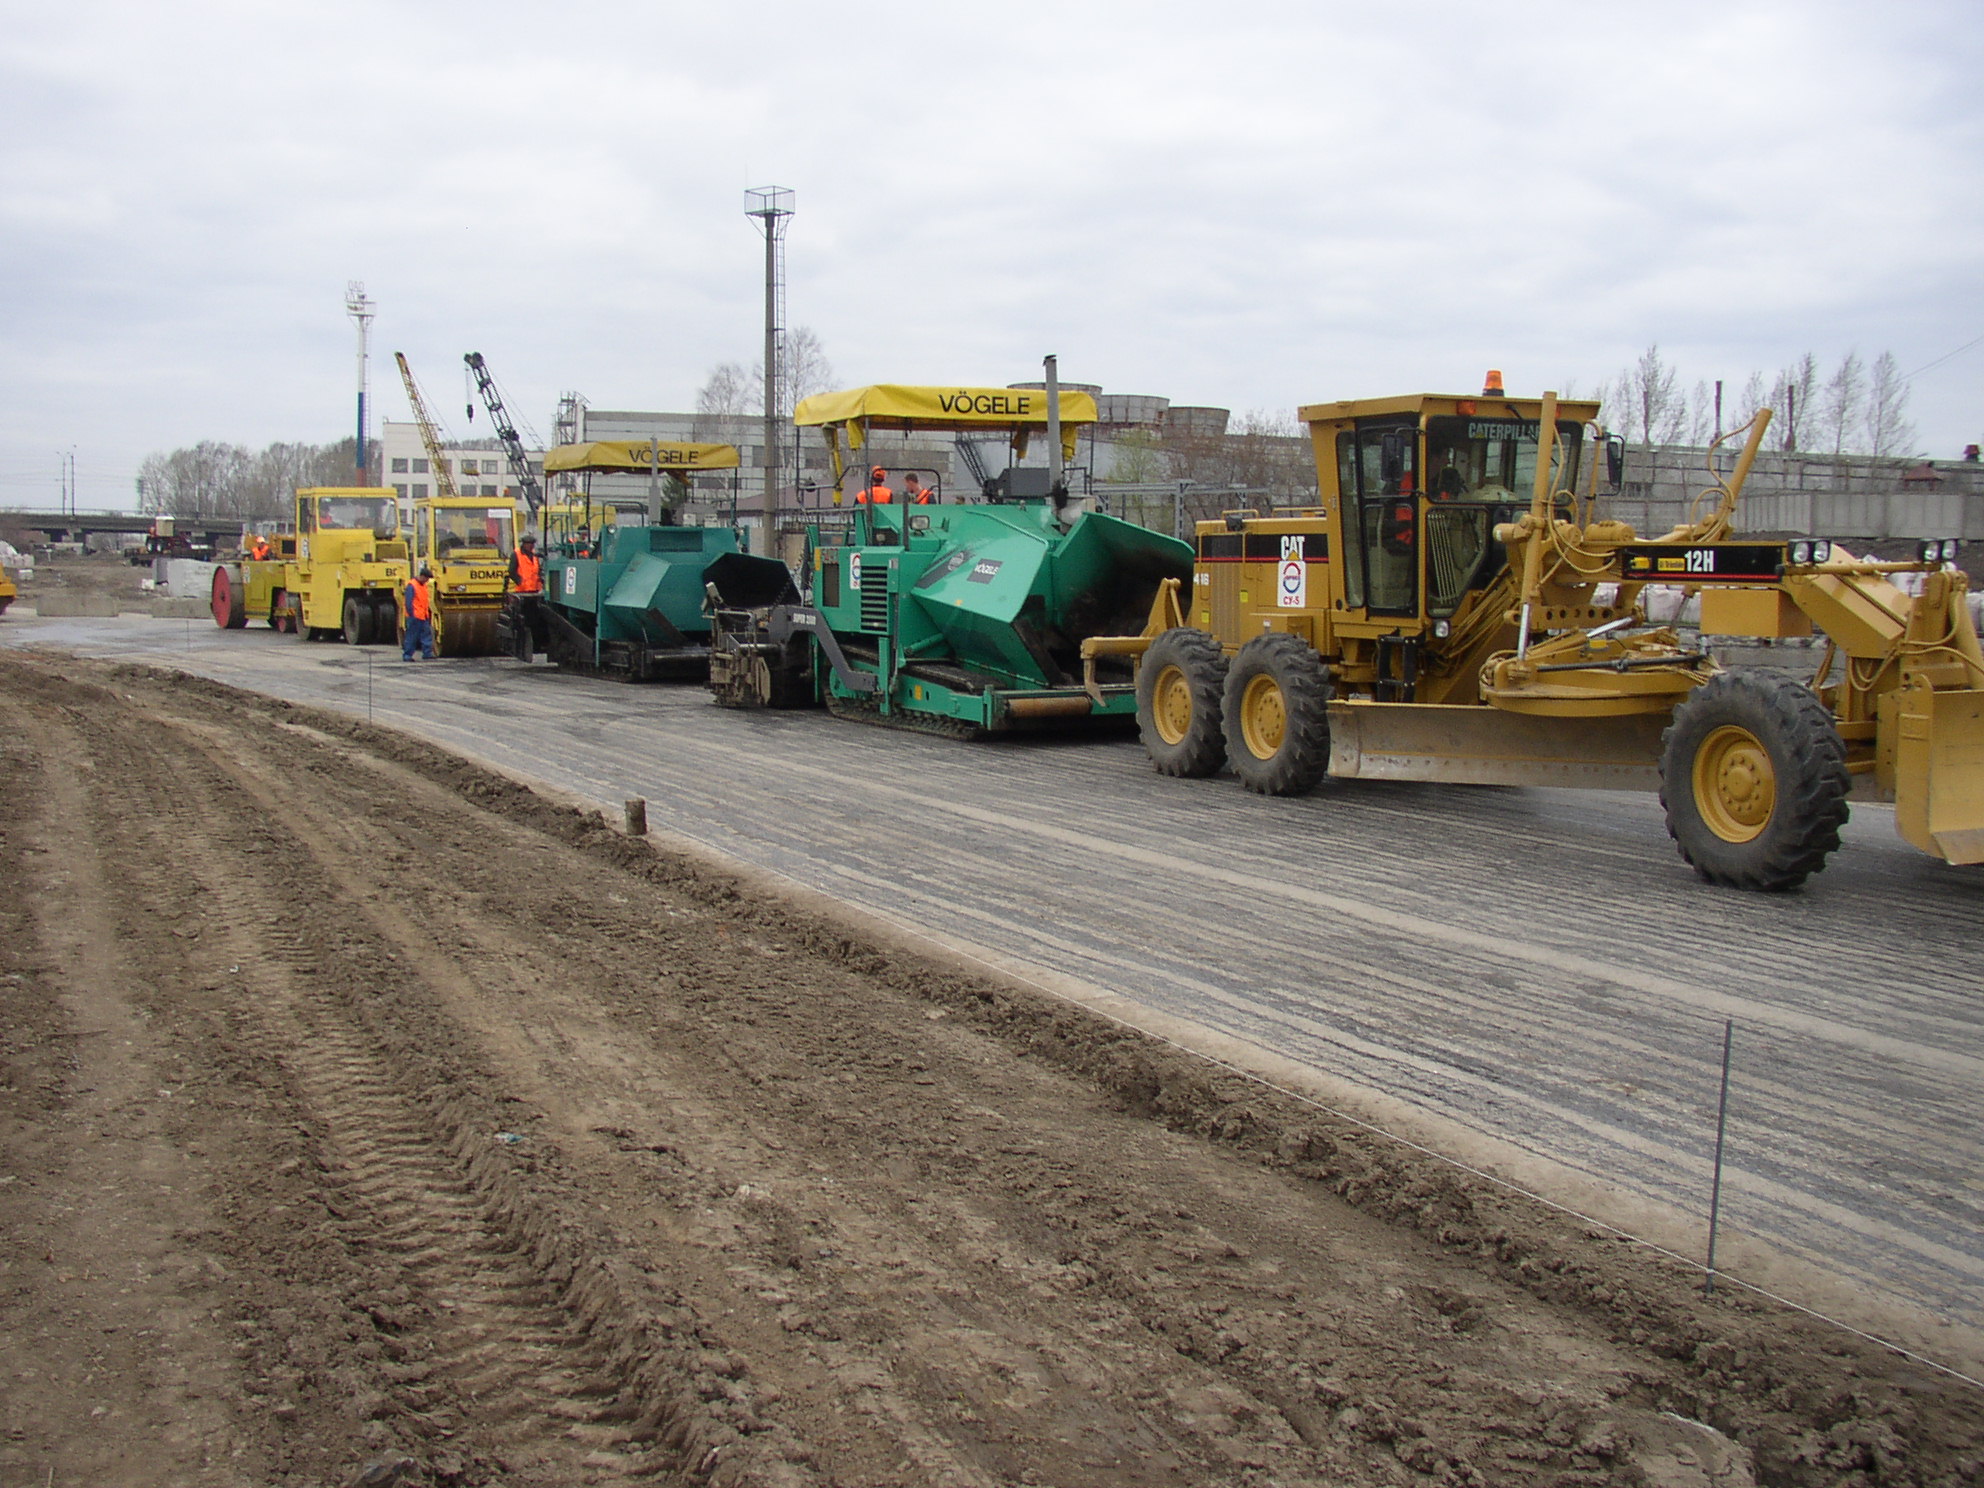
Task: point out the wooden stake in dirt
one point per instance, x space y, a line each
1721 1129
637 816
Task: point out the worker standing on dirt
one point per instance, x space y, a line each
877 492
419 601
523 599
915 493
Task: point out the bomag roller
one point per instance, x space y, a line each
624 583
338 573
1425 621
466 541
955 618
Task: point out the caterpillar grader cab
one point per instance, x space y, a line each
1455 609
624 582
962 618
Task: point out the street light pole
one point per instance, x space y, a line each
772 206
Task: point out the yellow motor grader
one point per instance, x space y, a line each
1428 621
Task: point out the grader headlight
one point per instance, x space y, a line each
1939 550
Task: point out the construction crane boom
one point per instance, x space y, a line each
513 446
444 481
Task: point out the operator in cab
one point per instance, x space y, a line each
259 548
1449 484
914 492
877 492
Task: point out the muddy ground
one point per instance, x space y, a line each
361 1109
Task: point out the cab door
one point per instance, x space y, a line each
1381 460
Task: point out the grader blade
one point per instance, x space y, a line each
1939 773
1472 745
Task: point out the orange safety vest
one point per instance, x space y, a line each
259 551
875 496
423 602
923 495
530 573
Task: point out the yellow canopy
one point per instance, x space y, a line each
961 410
638 456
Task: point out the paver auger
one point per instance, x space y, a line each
1422 622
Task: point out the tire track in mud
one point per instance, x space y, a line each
113 1215
505 1375
978 1339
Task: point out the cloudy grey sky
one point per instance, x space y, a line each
1251 204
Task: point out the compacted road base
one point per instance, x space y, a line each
363 1112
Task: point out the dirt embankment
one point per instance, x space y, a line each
360 1107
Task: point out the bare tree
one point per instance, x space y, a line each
1885 428
730 391
1651 410
727 391
1701 413
213 479
1271 451
1841 410
1136 459
1755 396
1793 396
807 370
204 481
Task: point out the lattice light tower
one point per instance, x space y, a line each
360 309
772 206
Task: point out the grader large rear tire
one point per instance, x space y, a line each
1753 778
1277 716
1180 690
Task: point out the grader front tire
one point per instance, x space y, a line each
1277 716
1179 692
1753 779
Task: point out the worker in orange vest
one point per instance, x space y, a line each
418 600
259 549
523 601
915 493
526 574
878 492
